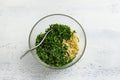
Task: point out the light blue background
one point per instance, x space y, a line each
99 18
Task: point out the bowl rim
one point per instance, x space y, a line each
63 67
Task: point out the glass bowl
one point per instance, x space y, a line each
43 23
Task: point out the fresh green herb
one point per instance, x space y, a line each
52 51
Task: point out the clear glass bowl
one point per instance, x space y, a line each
44 23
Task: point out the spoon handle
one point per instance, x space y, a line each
25 53
35 46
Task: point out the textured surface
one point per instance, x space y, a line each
100 19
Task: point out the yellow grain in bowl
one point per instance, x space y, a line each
72 45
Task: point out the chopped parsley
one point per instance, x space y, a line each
52 51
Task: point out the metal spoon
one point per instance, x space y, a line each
35 46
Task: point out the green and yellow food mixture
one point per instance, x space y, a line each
60 46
